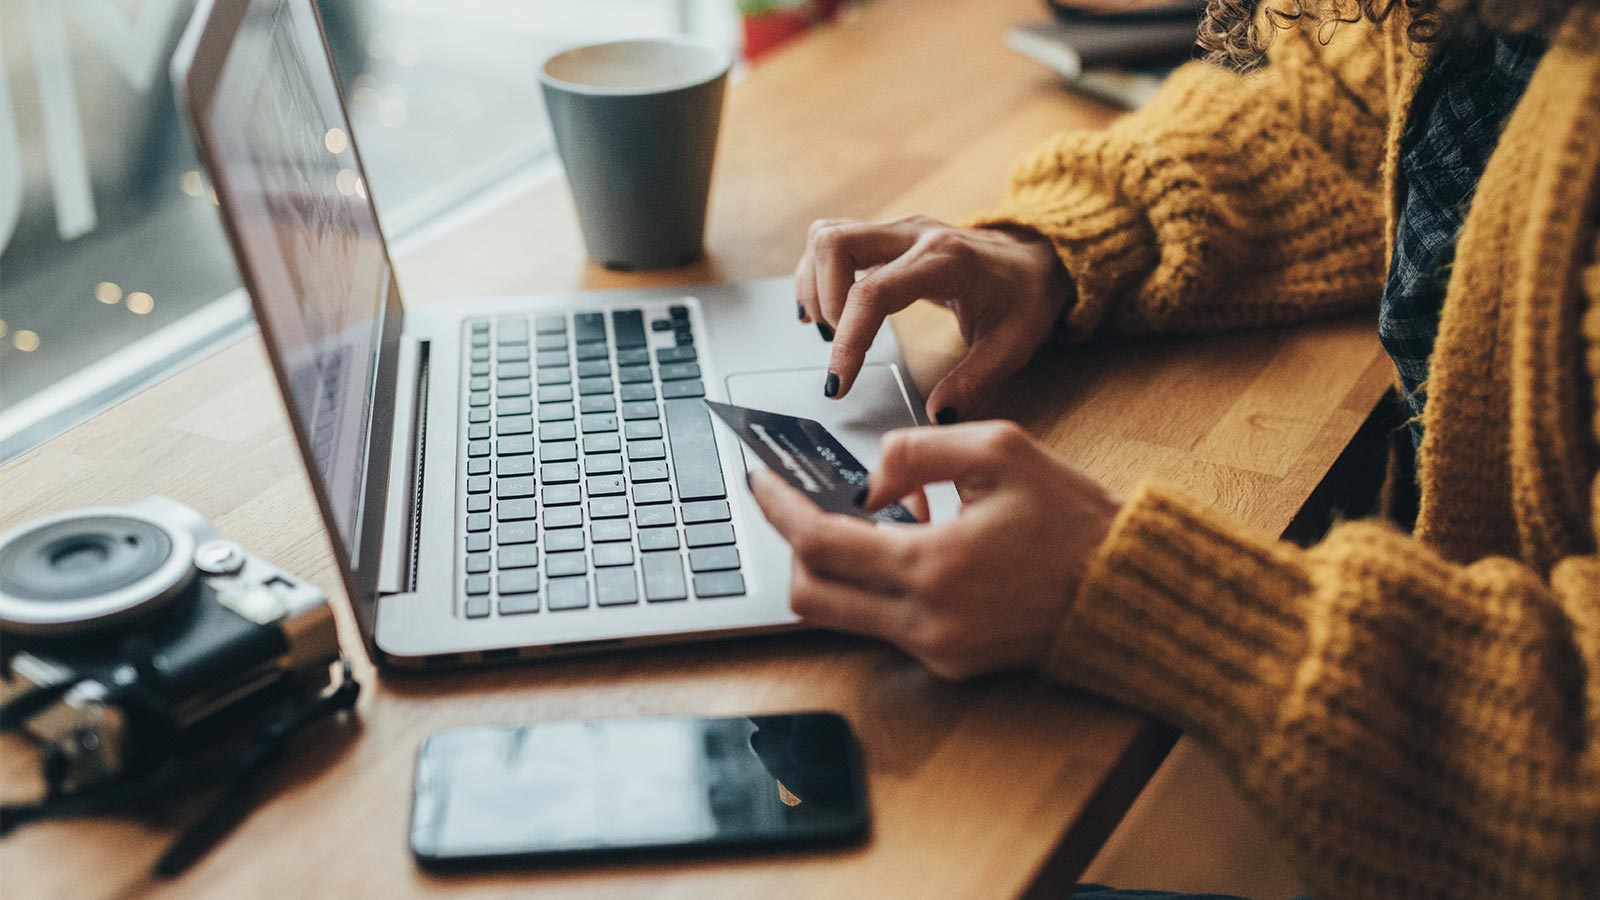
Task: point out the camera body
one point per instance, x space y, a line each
131 635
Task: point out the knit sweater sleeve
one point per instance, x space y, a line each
1229 201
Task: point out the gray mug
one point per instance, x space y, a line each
636 125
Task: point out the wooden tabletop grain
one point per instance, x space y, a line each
1002 787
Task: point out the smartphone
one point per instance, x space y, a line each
566 789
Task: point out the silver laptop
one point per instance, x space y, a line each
510 477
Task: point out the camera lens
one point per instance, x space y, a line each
74 570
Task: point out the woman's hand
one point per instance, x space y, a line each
982 593
1007 289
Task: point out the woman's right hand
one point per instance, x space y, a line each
1007 289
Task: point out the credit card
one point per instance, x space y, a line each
808 456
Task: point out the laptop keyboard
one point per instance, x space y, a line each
591 475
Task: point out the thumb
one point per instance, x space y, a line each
962 390
914 457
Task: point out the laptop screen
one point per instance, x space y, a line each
287 174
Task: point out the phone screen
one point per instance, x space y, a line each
607 785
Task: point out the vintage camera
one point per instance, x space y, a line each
133 636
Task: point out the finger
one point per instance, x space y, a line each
965 454
825 602
991 359
917 503
890 289
845 548
805 273
838 251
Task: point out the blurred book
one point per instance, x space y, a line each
1119 59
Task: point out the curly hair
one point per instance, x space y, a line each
1236 32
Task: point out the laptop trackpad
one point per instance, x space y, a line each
876 404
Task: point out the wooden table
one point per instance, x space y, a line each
1001 787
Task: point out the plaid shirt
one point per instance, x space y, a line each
1461 106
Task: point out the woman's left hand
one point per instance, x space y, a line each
982 593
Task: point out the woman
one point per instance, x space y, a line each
1416 714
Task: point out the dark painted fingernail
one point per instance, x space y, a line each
800 310
831 387
946 416
861 498
826 330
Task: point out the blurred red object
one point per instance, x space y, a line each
769 24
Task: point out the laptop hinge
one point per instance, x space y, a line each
403 521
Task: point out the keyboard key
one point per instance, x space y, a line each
513 406
660 492
478 484
477 543
706 511
555 412
607 530
615 587
512 331
640 451
514 465
638 391
478 448
478 432
550 342
563 539
514 446
477 607
479 503
618 554
684 337
478 466
642 472
477 563
718 584
675 355
594 386
478 384
478 398
603 464
713 559
593 351
515 387
525 532
562 494
558 564
641 410
552 358
562 517
651 516
518 353
633 374
479 326
561 451
588 328
555 393
628 324
658 539
637 431
555 376
513 510
516 425
601 443
597 403
679 371
661 325
480 354
520 557
633 356
477 416
478 369
567 593
523 581
477 584
550 323
663 577
514 370
606 485
599 422
478 522
678 312
558 431
608 508
694 451
675 390
508 488
708 535
558 473
594 368
518 604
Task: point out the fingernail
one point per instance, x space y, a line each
831 387
946 416
861 497
800 310
826 330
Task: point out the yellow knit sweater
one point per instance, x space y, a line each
1417 715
